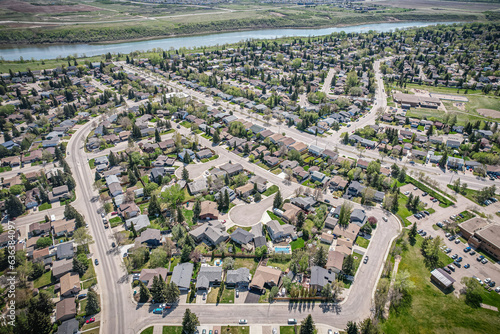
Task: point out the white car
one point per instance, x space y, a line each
243 321
384 218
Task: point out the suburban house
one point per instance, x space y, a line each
65 250
358 217
245 190
139 222
265 277
239 278
209 210
70 284
208 276
128 210
147 275
63 227
321 277
60 268
278 232
241 236
212 233
230 192
150 236
335 261
305 203
66 309
198 186
182 274
59 193
232 169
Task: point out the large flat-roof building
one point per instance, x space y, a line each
482 235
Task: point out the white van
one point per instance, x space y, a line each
292 321
52 218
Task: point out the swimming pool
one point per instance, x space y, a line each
283 249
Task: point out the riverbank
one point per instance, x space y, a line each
154 29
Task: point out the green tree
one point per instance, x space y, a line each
278 200
307 325
92 306
196 210
369 326
351 328
402 175
144 293
157 136
413 234
173 293
216 137
345 214
261 251
113 161
80 264
301 218
154 208
14 206
320 256
159 289
473 289
257 197
44 242
185 253
348 265
185 174
180 215
158 258
37 317
189 322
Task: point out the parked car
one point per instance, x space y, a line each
447 270
459 259
96 262
457 241
497 289
484 261
454 256
365 260
243 321
89 321
204 295
292 321
467 249
158 310
472 252
467 266
384 218
451 267
113 244
480 257
237 293
457 264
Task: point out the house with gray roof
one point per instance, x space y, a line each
319 177
321 277
208 276
139 222
232 169
315 150
65 250
304 203
358 217
182 274
242 237
278 232
212 233
151 237
355 189
239 278
198 186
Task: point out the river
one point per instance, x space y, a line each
54 51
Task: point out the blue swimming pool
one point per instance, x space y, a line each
283 249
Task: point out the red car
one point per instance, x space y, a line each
114 213
91 320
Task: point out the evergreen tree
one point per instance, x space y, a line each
132 229
159 289
189 322
92 306
136 132
14 206
97 176
226 200
131 178
301 218
307 326
352 328
154 208
172 293
196 210
185 253
180 215
113 161
157 136
216 137
413 234
278 200
348 265
144 293
80 264
185 174
320 257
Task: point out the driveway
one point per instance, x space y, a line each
252 297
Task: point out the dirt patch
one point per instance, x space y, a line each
277 14
489 113
459 105
24 7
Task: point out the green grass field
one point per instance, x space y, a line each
297 244
148 330
271 190
45 206
362 242
172 330
433 311
43 280
235 330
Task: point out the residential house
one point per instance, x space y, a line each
232 169
198 186
60 268
239 278
139 222
147 275
245 190
204 154
305 203
181 275
241 236
278 232
70 284
63 227
209 210
129 210
59 193
335 261
265 277
321 277
65 250
65 309
150 236
208 276
212 233
358 217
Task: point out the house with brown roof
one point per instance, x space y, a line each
147 275
63 227
128 210
290 211
41 254
326 238
265 277
299 146
65 309
245 190
209 210
344 246
70 284
61 267
335 261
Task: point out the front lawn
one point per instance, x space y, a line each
297 244
186 124
274 217
271 190
148 330
227 296
362 242
235 330
45 206
115 221
172 330
212 296
92 163
289 329
435 311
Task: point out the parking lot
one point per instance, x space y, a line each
478 269
426 200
